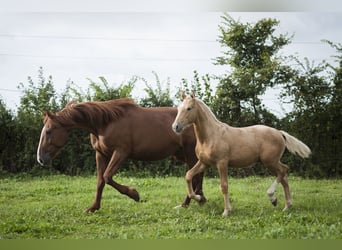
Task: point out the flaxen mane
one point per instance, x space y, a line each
96 114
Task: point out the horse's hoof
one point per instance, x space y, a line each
134 194
275 202
91 210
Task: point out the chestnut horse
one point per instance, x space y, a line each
119 129
223 146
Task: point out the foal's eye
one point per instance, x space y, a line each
188 109
48 132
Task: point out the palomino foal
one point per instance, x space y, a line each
222 145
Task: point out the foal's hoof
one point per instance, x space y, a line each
225 213
287 207
202 200
197 197
275 202
180 206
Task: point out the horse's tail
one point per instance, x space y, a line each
295 146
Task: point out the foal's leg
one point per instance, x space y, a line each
188 156
197 182
281 172
101 163
198 168
112 168
284 183
223 172
271 191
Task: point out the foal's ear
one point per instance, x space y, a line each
192 94
183 95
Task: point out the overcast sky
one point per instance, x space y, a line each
118 45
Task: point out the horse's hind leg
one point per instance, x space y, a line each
280 170
271 191
285 184
112 168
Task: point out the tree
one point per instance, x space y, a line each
37 98
251 56
201 85
99 91
315 118
8 139
158 97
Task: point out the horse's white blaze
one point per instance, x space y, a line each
40 141
272 189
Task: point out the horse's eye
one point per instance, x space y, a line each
48 132
188 109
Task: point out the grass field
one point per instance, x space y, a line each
52 207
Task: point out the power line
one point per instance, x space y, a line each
105 38
11 90
107 58
131 39
124 58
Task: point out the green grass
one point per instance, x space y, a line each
52 207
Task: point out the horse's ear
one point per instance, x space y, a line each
182 94
48 114
192 94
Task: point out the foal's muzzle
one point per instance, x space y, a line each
177 127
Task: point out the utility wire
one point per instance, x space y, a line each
131 39
105 38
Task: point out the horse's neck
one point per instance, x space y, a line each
205 123
76 121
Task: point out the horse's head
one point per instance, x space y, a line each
52 138
186 113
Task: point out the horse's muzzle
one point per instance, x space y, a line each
44 159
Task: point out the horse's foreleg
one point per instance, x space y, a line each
112 168
101 163
198 168
223 172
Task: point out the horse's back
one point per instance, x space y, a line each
247 145
150 133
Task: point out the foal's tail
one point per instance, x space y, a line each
295 146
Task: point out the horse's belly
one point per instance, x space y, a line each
153 153
243 161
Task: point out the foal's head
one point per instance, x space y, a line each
186 113
52 139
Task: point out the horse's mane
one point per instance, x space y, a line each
206 110
94 114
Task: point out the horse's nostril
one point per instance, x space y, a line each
40 161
